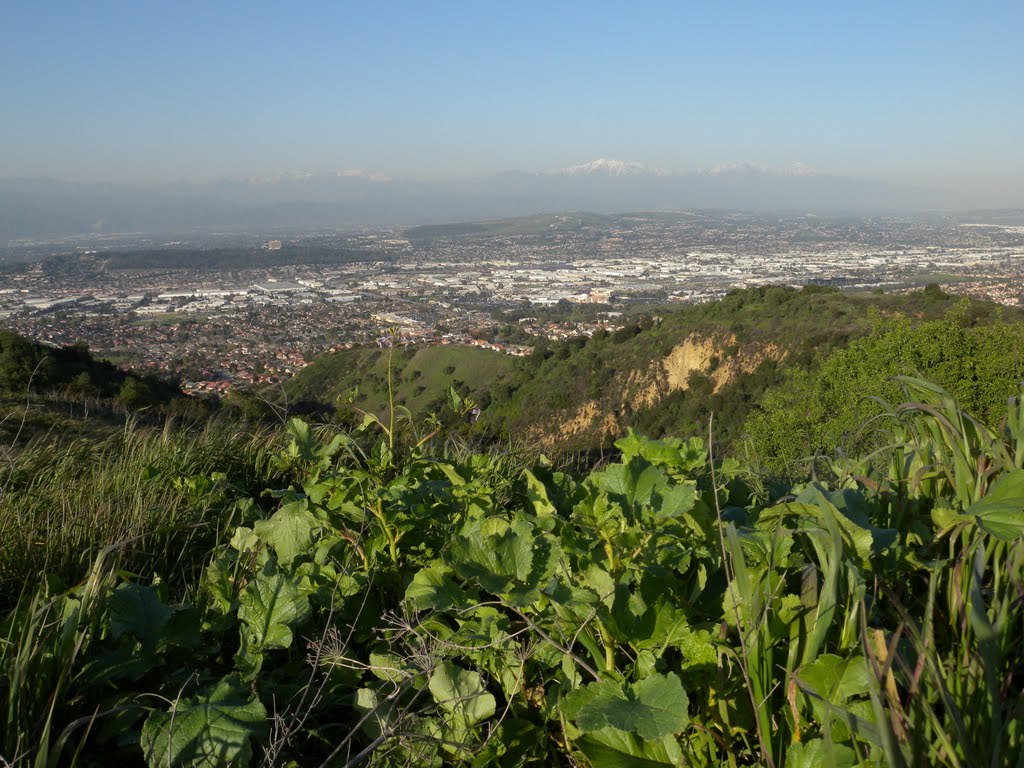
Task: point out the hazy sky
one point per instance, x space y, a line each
929 93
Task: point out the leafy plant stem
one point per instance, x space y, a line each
609 550
391 395
744 662
609 648
378 512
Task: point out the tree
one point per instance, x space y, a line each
135 393
21 362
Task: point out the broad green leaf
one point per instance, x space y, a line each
391 668
789 608
450 472
698 649
597 511
666 626
538 496
215 728
944 516
244 539
676 501
631 445
679 456
219 582
1008 486
505 558
317 492
145 627
830 682
822 676
1002 519
613 748
137 610
461 693
634 483
653 708
367 701
290 530
320 580
433 588
601 582
817 753
1000 512
329 547
269 605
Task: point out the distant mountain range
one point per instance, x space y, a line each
32 208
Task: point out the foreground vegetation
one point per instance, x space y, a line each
394 598
162 495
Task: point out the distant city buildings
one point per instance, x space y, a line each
218 329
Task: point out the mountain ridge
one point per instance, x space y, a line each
32 208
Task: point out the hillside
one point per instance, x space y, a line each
61 389
420 378
661 374
668 373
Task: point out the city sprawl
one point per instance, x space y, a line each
499 284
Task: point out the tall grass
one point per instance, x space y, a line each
958 665
158 492
42 643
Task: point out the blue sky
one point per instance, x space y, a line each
927 93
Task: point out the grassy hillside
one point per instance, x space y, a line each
158 494
420 377
661 374
27 366
64 391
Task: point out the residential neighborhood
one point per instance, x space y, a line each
214 329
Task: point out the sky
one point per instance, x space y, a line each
930 94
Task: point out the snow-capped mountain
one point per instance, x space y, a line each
607 167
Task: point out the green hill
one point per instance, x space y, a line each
661 374
834 407
666 374
420 377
